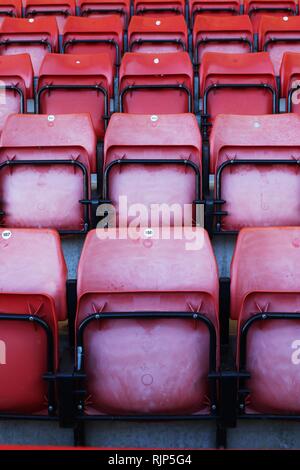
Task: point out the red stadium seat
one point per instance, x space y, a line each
213 8
279 35
159 7
45 164
265 298
258 8
153 161
76 83
237 84
32 300
11 8
94 35
36 37
100 8
255 162
61 9
16 85
166 34
156 83
221 34
128 330
290 81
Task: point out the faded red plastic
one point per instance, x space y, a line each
60 9
77 69
33 277
159 7
89 28
214 28
153 137
213 7
17 71
263 195
140 366
239 69
45 196
11 7
156 69
290 79
29 29
265 276
102 8
258 8
277 30
158 28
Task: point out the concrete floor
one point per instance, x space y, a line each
180 435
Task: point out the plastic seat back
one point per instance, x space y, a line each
129 332
157 34
32 300
266 301
44 178
213 8
60 9
12 8
75 83
254 159
102 8
278 35
35 36
85 35
159 7
231 34
156 83
290 81
16 85
237 84
258 8
154 161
